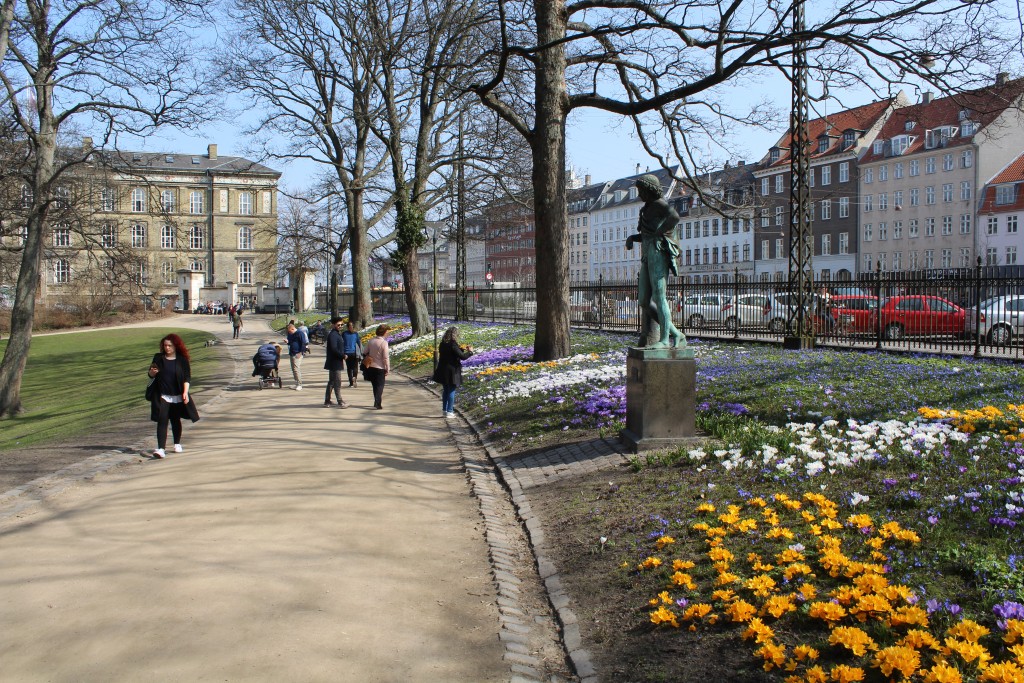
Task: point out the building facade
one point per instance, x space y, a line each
920 180
1000 216
140 224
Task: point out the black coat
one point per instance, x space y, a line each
449 364
335 347
182 374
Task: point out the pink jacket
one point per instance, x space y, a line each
377 350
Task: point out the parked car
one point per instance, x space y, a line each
854 312
704 310
1002 319
921 315
781 308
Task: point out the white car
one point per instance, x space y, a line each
1002 319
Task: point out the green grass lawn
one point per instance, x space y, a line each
76 382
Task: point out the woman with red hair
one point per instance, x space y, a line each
171 377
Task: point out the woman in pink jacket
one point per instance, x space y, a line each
377 364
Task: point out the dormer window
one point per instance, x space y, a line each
774 153
962 115
619 194
632 193
968 128
900 144
938 137
878 147
849 139
823 143
909 125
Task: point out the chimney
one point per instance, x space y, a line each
86 145
741 162
211 151
1002 78
926 97
586 180
638 169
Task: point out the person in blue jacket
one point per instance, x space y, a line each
353 353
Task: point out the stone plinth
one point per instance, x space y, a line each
661 387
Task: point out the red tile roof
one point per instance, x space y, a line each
983 106
1014 173
859 118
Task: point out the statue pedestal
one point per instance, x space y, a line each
661 390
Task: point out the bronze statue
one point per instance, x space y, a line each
657 260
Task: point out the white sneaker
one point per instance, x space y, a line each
449 415
178 448
159 454
298 387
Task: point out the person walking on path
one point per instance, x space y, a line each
449 368
296 348
377 364
236 323
335 363
171 375
352 353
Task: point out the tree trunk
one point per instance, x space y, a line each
548 146
359 247
419 315
12 367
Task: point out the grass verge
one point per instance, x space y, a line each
74 382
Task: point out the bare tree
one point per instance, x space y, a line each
122 66
675 67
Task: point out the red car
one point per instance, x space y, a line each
921 315
854 313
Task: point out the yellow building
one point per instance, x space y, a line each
142 225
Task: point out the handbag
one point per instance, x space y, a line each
151 389
367 363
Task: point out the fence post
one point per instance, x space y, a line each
878 309
977 309
600 301
736 300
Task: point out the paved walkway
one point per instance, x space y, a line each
288 543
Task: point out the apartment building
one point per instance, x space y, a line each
581 201
1000 240
715 234
129 223
838 141
510 234
920 179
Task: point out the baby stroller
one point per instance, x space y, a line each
265 363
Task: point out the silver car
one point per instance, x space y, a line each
1002 319
705 310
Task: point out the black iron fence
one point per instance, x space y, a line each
977 311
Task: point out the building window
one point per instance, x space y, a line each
141 274
844 207
1011 256
844 243
912 228
844 171
27 197
138 200
196 201
947 258
778 184
62 236
735 252
826 209
947 225
867 263
915 167
765 221
929 165
778 248
868 229
826 175
826 245
778 215
1005 194
765 186
965 258
108 235
167 272
849 139
245 203
245 238
929 195
167 237
195 237
765 254
869 176
167 201
913 260
197 266
881 261
62 271
897 260
992 256
746 252
138 236
883 201
810 177
947 162
993 226
897 199
965 224
883 231
947 192
869 201
107 199
883 173
965 189
915 196
966 158
897 230
929 227
897 170
1011 224
266 198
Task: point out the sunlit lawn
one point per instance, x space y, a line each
77 382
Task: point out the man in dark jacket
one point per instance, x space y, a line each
335 363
